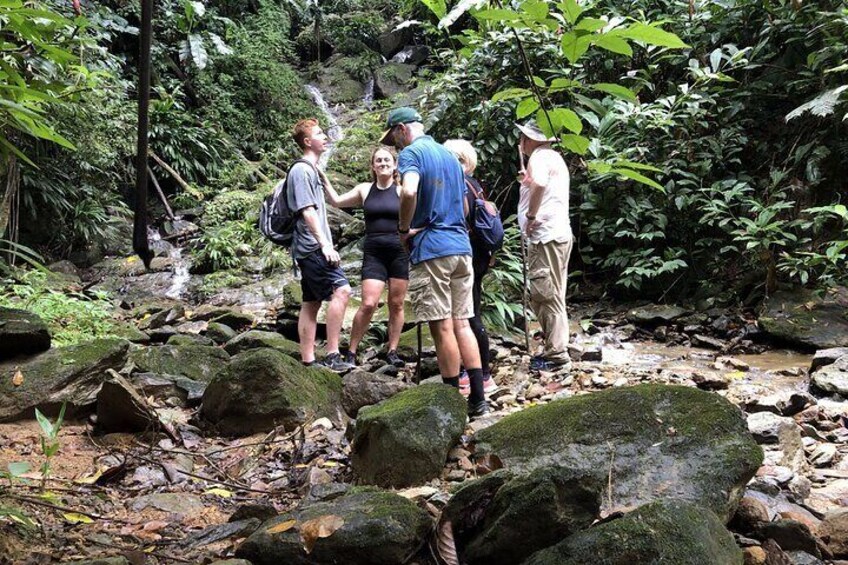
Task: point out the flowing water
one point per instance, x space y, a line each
368 99
334 131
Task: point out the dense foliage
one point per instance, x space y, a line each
749 187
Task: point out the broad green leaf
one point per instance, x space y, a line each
199 8
510 93
17 516
616 90
45 424
18 468
560 84
614 44
634 165
599 167
220 45
574 46
438 7
564 118
536 10
198 51
497 15
575 143
526 107
539 81
590 24
571 10
638 177
652 36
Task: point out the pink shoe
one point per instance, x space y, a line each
464 385
489 385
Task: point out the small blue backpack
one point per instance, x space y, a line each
485 222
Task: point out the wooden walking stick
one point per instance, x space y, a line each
418 362
523 265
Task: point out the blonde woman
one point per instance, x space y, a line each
480 258
384 260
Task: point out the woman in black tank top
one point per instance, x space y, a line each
384 260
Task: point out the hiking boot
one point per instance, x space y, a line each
394 359
350 357
464 384
489 385
478 409
335 362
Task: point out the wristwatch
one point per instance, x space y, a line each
403 231
529 217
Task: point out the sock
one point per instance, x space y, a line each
476 378
453 381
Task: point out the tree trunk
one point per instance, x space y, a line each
12 184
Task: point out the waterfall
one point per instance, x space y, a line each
334 132
368 99
181 276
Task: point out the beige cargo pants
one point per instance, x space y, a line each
547 281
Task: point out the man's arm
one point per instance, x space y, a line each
313 224
408 199
537 178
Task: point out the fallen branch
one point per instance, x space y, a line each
150 552
46 504
161 194
168 169
212 479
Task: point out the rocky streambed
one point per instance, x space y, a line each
676 436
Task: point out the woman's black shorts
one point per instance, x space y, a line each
384 258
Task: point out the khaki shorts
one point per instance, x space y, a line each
441 288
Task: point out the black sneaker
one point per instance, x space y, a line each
479 409
394 359
334 362
350 357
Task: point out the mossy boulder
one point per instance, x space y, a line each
22 333
666 531
257 338
189 339
362 388
379 528
654 441
72 374
220 333
234 318
394 78
197 362
337 85
803 318
502 519
405 440
265 388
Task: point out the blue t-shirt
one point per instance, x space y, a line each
439 208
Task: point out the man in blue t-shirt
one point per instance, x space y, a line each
432 225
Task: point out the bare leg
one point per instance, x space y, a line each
467 344
307 322
397 293
447 350
371 291
335 316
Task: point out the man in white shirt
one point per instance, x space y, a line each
543 218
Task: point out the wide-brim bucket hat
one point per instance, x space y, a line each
532 131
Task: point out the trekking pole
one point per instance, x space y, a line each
418 362
524 294
523 267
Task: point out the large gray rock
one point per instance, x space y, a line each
378 528
832 378
803 318
393 78
22 333
258 338
405 440
264 388
120 408
824 357
70 374
650 441
361 388
663 532
501 519
654 314
197 362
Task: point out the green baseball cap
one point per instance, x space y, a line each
403 115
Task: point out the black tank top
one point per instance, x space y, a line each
382 210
